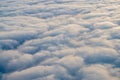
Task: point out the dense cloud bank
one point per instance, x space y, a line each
59 40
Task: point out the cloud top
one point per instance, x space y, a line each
59 40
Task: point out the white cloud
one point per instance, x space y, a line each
97 72
59 40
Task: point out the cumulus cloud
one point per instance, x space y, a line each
59 40
97 72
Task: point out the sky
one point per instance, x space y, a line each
59 40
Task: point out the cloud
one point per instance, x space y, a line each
38 72
8 44
97 72
59 40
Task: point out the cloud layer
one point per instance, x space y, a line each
59 40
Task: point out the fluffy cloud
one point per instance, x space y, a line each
59 40
97 72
